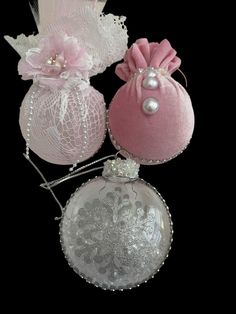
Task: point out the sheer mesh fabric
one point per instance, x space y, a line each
76 136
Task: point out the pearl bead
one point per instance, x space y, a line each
150 73
150 106
150 83
50 61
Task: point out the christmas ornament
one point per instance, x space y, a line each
116 229
63 118
151 116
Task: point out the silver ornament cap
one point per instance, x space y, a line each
125 168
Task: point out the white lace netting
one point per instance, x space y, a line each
103 36
23 43
75 138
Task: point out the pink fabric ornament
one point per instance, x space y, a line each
62 117
57 113
151 117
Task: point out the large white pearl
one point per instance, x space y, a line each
150 106
150 83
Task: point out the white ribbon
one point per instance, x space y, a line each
80 83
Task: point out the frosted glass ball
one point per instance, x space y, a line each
116 233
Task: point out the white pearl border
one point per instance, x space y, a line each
31 108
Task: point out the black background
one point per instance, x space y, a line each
35 267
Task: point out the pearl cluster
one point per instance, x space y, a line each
150 82
57 61
84 129
28 129
126 168
55 65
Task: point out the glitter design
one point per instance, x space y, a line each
121 167
115 242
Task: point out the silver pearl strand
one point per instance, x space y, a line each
29 124
82 111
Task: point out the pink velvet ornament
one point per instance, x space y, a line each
151 118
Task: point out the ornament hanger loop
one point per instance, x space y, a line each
119 153
76 173
184 76
46 182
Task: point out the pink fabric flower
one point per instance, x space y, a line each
58 58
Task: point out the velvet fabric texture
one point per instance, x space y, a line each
158 137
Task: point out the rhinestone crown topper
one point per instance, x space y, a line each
126 168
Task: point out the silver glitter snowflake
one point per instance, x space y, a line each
115 241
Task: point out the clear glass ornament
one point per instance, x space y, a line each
116 230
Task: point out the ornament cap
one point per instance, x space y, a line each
124 168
